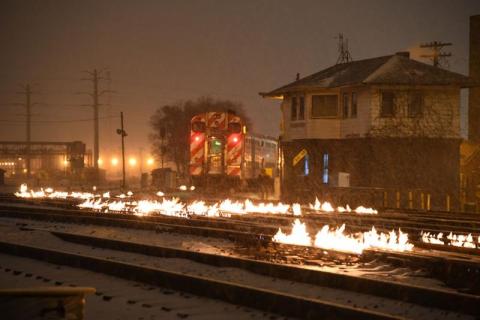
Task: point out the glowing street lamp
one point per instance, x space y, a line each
100 161
150 161
132 162
114 162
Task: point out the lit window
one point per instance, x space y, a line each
307 166
325 168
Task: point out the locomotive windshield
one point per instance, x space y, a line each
234 127
198 126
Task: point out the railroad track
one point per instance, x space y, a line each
237 293
456 270
410 221
255 227
267 300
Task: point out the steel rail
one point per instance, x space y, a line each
267 300
441 299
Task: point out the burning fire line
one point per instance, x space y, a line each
326 206
456 240
337 239
145 207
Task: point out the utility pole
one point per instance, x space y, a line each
344 55
27 91
436 52
123 134
95 77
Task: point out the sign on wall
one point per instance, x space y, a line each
299 156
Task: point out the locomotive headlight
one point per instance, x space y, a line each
197 138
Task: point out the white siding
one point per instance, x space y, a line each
359 126
441 115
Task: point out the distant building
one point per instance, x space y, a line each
383 124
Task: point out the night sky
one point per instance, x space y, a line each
159 52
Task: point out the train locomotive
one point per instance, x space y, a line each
223 154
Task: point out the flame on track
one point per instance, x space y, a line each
456 240
338 240
24 192
298 236
326 206
223 208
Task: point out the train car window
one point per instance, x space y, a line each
198 126
215 146
234 127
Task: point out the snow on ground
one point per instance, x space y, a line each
117 298
9 231
225 247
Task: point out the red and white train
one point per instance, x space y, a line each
220 148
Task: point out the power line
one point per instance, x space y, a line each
27 91
437 56
59 121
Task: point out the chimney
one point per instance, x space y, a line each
474 73
405 54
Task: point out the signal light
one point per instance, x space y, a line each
235 139
197 138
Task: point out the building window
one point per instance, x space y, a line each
415 104
345 105
387 105
324 106
325 168
294 109
306 168
301 111
353 110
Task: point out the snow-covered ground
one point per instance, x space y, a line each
117 298
218 246
10 231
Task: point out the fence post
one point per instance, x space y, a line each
448 202
410 200
385 199
422 201
398 199
428 202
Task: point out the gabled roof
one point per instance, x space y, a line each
395 69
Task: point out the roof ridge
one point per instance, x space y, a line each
391 69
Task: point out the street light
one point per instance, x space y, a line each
114 162
123 134
132 162
150 161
